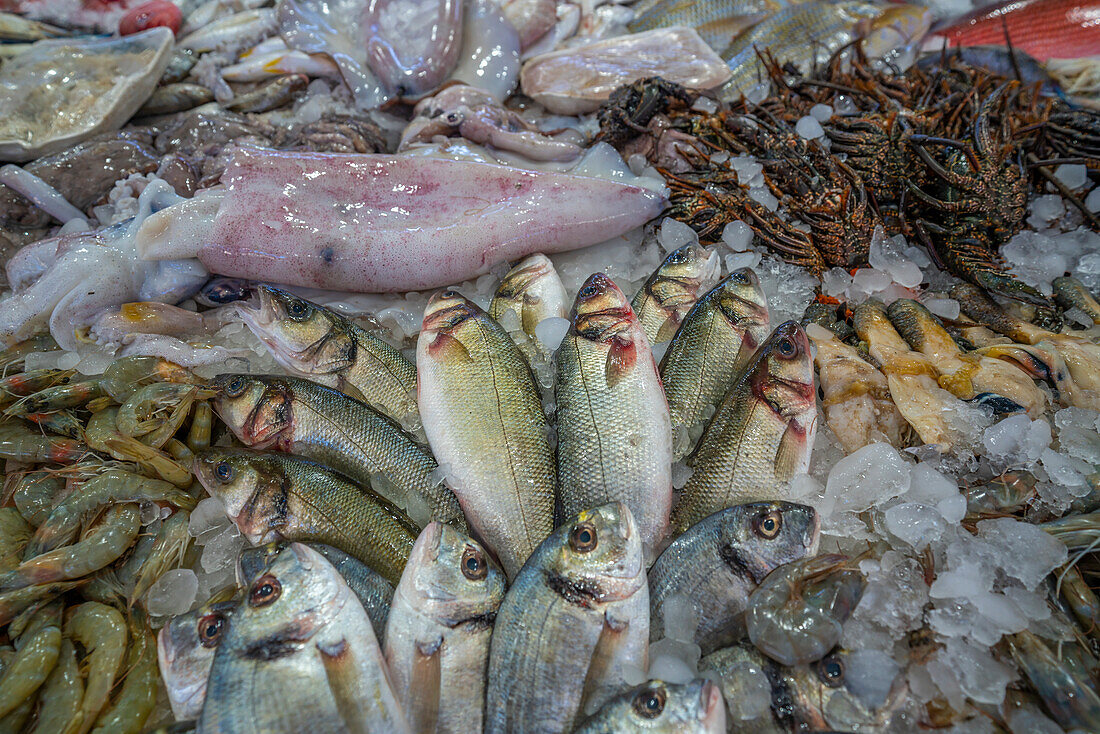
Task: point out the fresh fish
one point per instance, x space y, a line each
573 624
388 240
300 655
300 417
716 565
673 289
718 338
372 589
16 28
1062 29
273 496
530 292
270 95
796 615
656 706
761 434
185 651
912 378
807 34
440 624
966 376
717 23
614 436
175 98
579 79
483 417
855 395
229 29
1072 293
817 697
316 342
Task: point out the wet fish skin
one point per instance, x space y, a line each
300 655
655 706
272 496
483 416
578 601
760 436
614 435
1072 293
532 291
673 289
717 339
439 629
717 23
718 562
372 589
300 417
316 342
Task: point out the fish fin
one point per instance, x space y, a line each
621 358
790 456
422 708
340 670
667 331
445 345
348 389
609 653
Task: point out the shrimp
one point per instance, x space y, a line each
198 437
102 435
102 632
33 494
61 422
155 412
1081 600
168 551
123 378
36 655
1068 695
23 384
135 702
798 612
16 353
61 694
103 543
112 486
1006 493
14 536
1077 532
19 443
15 602
59 397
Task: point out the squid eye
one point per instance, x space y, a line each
831 672
583 538
223 471
265 591
474 566
210 629
768 525
651 702
785 348
298 310
235 387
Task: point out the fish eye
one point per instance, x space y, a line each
223 471
297 310
583 538
651 702
474 566
677 257
265 591
831 672
588 291
235 387
785 347
449 294
768 525
210 629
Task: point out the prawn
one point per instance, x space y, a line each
138 697
101 630
19 443
168 551
35 657
61 694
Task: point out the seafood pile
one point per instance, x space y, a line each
534 366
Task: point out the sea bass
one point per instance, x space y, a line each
656 706
674 287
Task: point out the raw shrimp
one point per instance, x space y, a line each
102 631
168 551
102 435
61 422
155 412
58 397
797 613
1069 696
123 378
1077 532
27 383
14 535
112 486
198 437
1007 493
1081 600
104 542
38 648
20 443
60 695
34 494
17 352
15 602
135 702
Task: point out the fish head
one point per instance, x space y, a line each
783 375
296 596
185 651
452 576
253 560
256 409
598 556
823 697
445 316
303 336
685 272
524 277
252 488
742 301
896 27
761 536
658 706
601 312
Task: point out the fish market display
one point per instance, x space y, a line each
549 366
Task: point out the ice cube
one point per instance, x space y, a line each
1028 553
870 476
916 524
674 234
821 112
753 697
551 330
947 308
870 674
809 128
1073 175
737 236
1017 439
764 197
208 515
173 593
1092 201
681 473
1046 209
845 105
